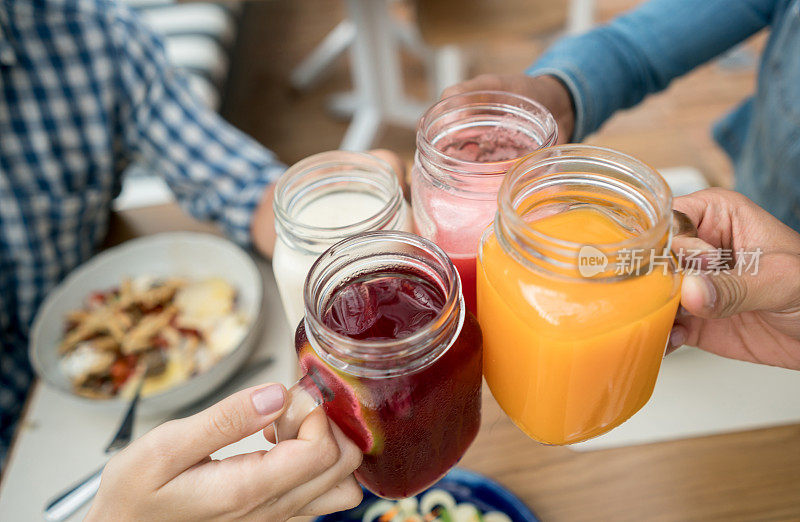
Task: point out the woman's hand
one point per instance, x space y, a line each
547 90
168 474
749 316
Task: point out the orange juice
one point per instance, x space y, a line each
570 357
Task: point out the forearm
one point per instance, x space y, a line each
216 172
615 66
227 179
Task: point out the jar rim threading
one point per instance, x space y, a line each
514 104
641 184
317 173
359 254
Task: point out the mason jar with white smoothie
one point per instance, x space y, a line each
323 199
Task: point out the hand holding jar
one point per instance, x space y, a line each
168 473
394 357
753 315
545 89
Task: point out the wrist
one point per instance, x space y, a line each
558 100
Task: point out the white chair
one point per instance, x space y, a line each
375 38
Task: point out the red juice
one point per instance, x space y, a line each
467 267
412 426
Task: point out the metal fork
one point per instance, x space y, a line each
125 432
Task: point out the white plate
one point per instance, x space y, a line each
183 254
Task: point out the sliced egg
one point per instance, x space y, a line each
204 300
226 335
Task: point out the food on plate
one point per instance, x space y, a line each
437 505
172 328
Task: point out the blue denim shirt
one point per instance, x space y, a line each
615 66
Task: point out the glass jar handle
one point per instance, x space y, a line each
302 398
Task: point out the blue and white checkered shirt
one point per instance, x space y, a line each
86 90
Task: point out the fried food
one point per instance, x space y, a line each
175 327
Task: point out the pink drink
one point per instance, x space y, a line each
465 145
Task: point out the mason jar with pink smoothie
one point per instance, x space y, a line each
465 145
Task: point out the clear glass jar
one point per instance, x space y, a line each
412 404
322 200
465 145
577 291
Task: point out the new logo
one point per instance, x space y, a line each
591 261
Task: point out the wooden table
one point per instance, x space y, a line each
739 476
752 475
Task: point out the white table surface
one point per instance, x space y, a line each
61 440
700 394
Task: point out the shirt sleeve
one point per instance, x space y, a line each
616 65
215 171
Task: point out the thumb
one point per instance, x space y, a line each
769 287
188 441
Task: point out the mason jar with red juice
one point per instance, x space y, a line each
390 350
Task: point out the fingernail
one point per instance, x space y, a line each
268 399
705 287
710 292
677 337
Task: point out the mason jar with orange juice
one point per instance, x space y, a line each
577 291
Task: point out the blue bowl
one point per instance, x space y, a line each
465 486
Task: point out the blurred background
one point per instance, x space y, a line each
256 77
494 36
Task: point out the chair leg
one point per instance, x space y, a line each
363 130
448 69
580 16
375 38
313 68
